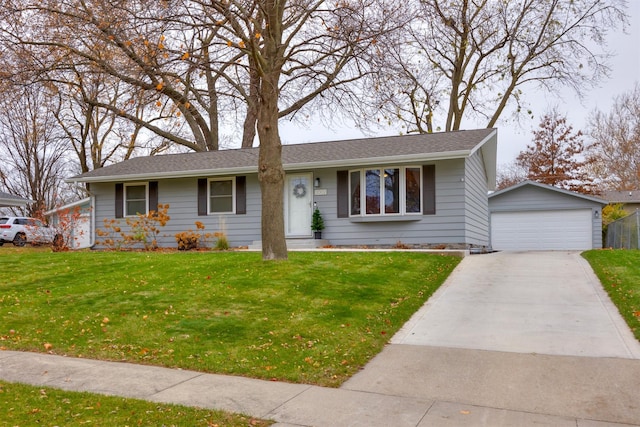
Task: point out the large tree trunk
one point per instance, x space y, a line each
270 170
271 175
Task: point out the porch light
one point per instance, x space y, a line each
316 183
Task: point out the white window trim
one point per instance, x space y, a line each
233 195
402 190
124 197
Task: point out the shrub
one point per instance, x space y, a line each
65 227
190 239
143 229
187 240
222 243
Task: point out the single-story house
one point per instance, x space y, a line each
630 199
422 190
76 220
7 200
534 216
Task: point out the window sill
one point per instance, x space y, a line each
386 218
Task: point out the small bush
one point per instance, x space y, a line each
143 229
187 240
222 243
190 239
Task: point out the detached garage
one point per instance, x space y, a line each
532 216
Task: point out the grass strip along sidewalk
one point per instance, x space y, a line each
619 273
23 405
317 318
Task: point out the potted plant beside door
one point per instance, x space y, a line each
317 224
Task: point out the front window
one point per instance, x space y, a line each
386 191
135 200
221 195
372 189
392 191
413 179
355 192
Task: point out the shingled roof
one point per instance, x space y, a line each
7 199
354 152
626 196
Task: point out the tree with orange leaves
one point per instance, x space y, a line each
556 156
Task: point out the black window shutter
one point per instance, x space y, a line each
202 197
153 196
343 194
429 189
119 200
241 195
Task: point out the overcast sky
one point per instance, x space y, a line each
514 138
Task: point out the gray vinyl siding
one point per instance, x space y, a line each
181 196
457 221
530 198
476 201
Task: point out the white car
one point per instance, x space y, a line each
21 230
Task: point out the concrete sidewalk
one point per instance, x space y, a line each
432 374
413 386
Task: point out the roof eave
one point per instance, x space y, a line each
408 158
9 202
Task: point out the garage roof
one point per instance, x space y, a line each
550 188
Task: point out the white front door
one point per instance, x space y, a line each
298 204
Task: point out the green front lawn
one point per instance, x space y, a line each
619 273
23 405
316 318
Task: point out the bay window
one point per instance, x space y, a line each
385 191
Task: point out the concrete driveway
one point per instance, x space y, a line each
523 302
514 339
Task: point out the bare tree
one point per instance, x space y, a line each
133 42
616 143
260 59
33 152
510 174
312 44
477 59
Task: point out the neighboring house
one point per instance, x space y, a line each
426 190
75 220
630 199
7 200
534 216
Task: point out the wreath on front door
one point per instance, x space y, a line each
299 190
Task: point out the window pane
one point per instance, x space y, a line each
372 191
221 204
136 192
135 207
391 191
414 191
355 193
221 196
221 188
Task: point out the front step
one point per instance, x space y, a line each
294 244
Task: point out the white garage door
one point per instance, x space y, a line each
541 230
